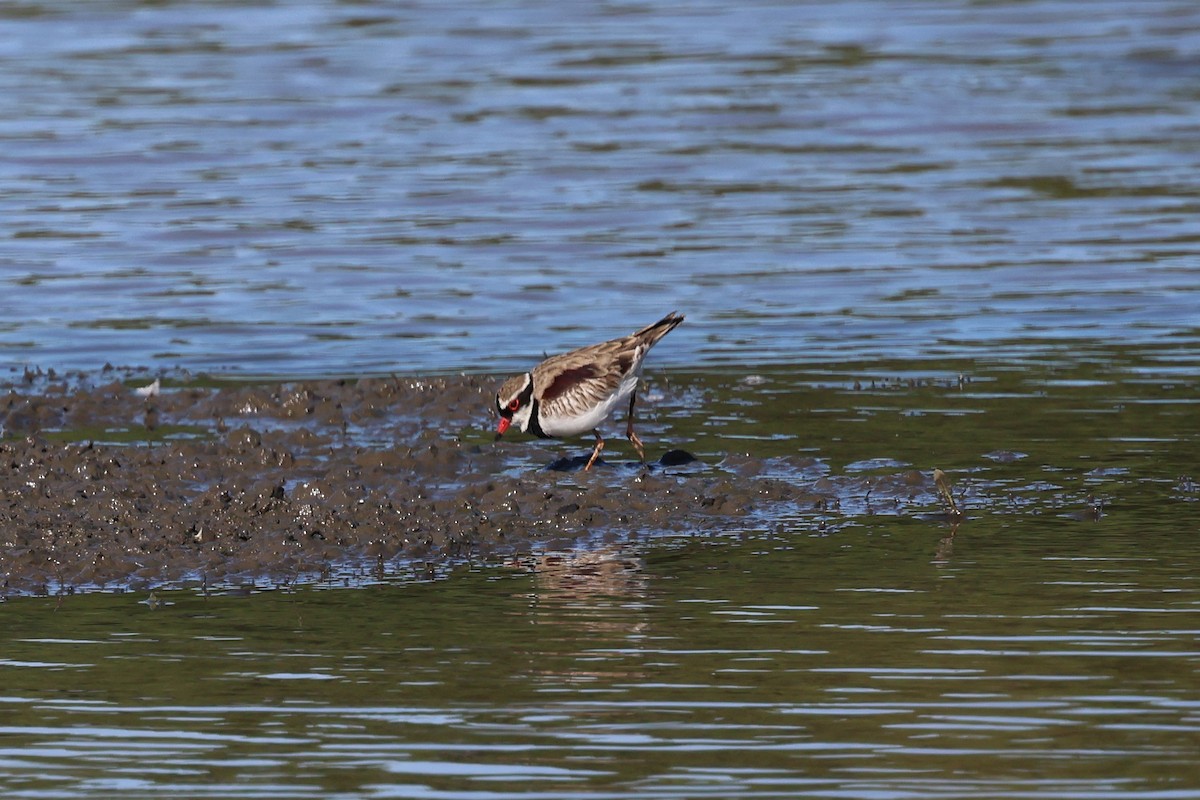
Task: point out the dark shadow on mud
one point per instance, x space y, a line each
671 458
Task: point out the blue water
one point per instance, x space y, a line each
327 188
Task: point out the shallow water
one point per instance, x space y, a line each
316 188
1019 659
861 646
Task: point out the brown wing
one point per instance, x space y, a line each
570 380
575 381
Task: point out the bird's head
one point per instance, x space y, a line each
514 403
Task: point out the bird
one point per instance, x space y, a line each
572 393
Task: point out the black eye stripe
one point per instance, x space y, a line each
522 399
526 394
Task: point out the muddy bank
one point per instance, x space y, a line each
101 487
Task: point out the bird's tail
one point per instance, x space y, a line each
652 333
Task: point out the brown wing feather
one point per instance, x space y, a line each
567 380
572 382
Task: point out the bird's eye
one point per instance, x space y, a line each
515 404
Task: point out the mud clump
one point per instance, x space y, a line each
103 488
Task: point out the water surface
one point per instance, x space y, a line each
906 235
316 188
864 645
886 661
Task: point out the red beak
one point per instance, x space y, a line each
504 423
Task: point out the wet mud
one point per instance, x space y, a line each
105 488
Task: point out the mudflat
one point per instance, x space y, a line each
103 487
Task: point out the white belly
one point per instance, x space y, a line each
561 428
